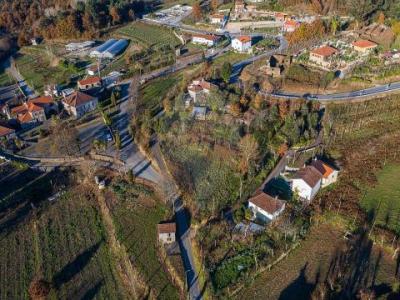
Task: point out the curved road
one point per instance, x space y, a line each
359 94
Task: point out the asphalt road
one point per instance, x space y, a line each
359 94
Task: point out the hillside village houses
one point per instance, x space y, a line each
364 46
79 103
166 232
205 39
264 207
241 43
323 56
308 180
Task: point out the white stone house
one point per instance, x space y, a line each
329 174
264 207
217 18
205 39
306 183
166 232
200 88
77 104
241 43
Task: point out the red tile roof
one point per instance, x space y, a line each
4 131
323 168
32 105
244 38
42 100
166 228
89 80
218 16
310 175
266 202
291 23
364 44
77 98
25 118
325 51
209 37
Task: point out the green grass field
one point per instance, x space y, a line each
136 222
62 241
384 198
154 92
5 79
148 34
231 57
34 65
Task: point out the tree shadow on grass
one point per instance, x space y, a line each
300 287
75 266
92 291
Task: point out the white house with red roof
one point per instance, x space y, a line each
205 39
200 88
78 103
364 46
306 183
217 18
290 25
89 83
265 207
166 232
329 173
323 56
241 43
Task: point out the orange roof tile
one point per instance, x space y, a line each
323 168
5 131
89 80
364 44
42 100
25 118
244 38
33 107
291 23
77 98
325 51
218 16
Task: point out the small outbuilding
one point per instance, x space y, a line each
264 207
166 232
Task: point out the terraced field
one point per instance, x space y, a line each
62 241
148 35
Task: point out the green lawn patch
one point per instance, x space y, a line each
383 200
5 79
231 57
154 92
34 64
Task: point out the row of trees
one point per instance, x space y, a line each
52 19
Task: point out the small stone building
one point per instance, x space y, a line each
166 232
